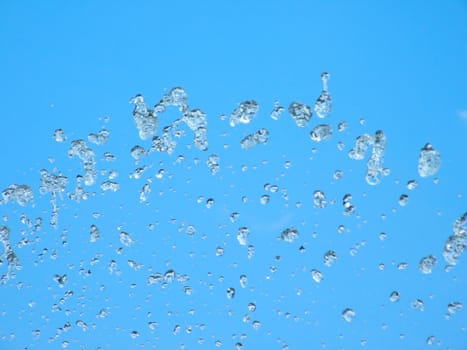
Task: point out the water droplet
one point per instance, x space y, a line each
110 186
418 305
243 281
290 234
245 112
374 165
402 266
342 126
145 119
430 340
209 203
94 234
322 132
251 307
264 199
319 199
412 184
454 307
126 239
213 163
330 257
429 161
301 113
100 138
361 145
348 315
457 242
190 230
403 200
338 174
81 324
250 141
317 275
427 264
59 135
394 296
219 251
243 235
230 293
277 111
323 105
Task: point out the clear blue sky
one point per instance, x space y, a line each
396 66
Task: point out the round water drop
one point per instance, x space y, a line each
190 230
251 307
412 184
394 296
219 251
243 235
209 203
256 325
134 334
427 264
230 293
317 275
264 199
403 200
290 234
59 135
319 199
330 257
348 315
338 174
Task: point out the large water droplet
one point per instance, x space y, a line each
429 161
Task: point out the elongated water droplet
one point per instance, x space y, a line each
429 161
323 105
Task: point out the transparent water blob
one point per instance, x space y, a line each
252 140
290 234
321 132
427 264
348 315
301 113
429 161
319 199
243 234
323 105
244 113
317 275
394 296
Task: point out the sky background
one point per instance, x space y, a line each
396 66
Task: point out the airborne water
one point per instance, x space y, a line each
193 245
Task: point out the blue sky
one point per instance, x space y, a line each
395 66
